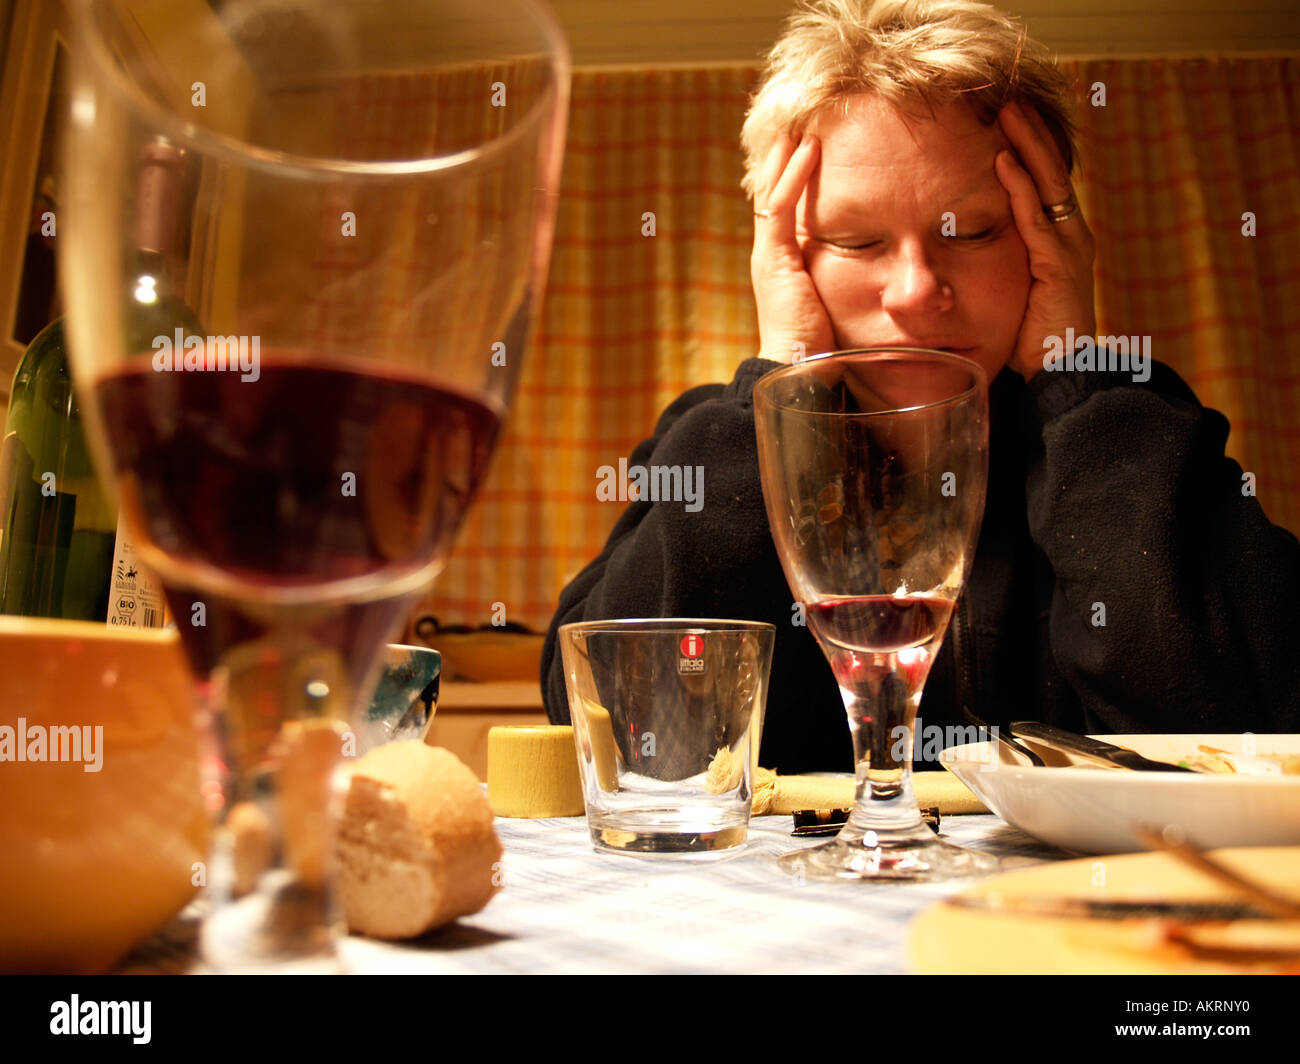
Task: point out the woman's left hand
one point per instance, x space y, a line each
1060 253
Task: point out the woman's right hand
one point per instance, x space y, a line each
792 323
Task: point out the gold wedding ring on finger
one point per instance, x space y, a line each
765 214
1063 211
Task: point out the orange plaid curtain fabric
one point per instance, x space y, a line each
363 292
1180 151
630 321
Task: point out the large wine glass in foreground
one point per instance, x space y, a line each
874 466
354 241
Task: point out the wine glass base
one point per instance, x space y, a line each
911 857
281 928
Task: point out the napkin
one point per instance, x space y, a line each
783 795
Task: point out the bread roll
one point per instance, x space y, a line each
416 845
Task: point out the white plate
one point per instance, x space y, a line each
1090 810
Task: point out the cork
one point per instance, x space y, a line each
533 772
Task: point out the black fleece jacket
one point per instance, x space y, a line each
1101 490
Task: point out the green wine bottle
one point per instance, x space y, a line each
62 550
56 550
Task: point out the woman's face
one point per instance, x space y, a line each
875 233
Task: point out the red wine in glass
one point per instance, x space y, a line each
880 624
317 471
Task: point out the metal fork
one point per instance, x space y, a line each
1004 736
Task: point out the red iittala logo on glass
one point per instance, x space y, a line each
692 659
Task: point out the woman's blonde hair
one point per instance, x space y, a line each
915 54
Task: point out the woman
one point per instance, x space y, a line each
910 168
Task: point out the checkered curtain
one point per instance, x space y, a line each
371 294
1180 151
631 320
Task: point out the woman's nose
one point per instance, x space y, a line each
912 285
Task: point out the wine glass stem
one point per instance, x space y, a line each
277 709
881 719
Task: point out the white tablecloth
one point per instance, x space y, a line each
567 909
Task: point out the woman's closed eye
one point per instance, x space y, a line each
848 243
987 232
856 243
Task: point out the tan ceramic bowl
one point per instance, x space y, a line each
92 862
489 657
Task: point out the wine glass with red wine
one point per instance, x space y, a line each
874 466
354 242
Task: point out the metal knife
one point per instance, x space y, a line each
1092 749
1096 909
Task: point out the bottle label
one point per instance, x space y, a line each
135 598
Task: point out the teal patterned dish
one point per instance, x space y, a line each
405 699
